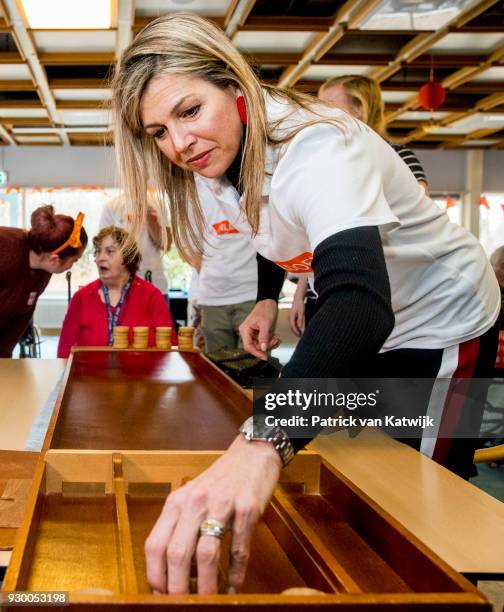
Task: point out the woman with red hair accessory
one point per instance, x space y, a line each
28 259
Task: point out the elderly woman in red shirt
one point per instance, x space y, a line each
118 297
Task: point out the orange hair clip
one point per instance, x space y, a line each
74 238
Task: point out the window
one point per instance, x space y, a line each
17 204
451 203
10 208
70 201
491 221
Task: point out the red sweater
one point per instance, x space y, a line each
20 287
86 323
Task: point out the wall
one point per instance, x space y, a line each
87 166
64 166
445 170
493 171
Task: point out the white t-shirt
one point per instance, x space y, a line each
228 273
116 213
193 291
329 179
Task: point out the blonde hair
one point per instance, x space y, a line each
184 43
364 95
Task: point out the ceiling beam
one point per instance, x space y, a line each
80 104
350 15
424 41
286 24
272 59
141 22
238 17
485 104
11 57
17 86
6 136
27 46
79 83
76 59
474 12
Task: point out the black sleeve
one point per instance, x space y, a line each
354 316
270 279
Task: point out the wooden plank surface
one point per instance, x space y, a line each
455 519
25 385
14 465
147 400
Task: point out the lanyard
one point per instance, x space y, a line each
112 319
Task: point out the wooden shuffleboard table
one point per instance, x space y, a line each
131 426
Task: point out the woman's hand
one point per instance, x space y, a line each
297 311
234 491
257 329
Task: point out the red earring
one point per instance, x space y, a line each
242 109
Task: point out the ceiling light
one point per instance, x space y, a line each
414 14
62 14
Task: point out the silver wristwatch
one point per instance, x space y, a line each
254 428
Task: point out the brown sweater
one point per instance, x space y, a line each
20 287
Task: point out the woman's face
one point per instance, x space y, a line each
336 95
194 123
109 260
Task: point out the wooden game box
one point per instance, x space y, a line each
145 400
89 513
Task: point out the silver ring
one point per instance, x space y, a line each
213 528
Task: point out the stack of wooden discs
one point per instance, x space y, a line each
163 338
185 338
140 337
121 336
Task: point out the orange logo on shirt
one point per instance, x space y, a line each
224 227
300 263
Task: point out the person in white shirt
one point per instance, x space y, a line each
227 283
117 212
360 96
316 191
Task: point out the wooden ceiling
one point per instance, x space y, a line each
54 83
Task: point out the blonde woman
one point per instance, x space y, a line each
360 96
316 190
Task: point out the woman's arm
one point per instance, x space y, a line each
257 330
355 316
297 311
354 319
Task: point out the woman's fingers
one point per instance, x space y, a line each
250 343
256 330
293 319
156 546
207 557
234 490
243 526
179 555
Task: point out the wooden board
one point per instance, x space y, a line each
14 465
89 514
146 400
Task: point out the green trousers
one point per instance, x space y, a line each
220 325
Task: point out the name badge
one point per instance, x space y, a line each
32 298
